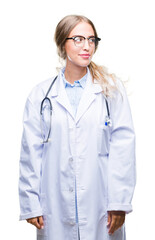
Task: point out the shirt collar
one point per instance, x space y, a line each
81 82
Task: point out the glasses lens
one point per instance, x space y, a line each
93 41
79 40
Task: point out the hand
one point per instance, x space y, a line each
37 221
115 220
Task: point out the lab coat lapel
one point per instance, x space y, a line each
88 96
60 95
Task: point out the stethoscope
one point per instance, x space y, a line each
46 139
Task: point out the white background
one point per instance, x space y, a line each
28 56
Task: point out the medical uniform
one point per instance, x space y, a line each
87 169
74 92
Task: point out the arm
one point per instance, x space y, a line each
30 164
121 165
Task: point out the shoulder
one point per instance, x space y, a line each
39 91
117 85
37 94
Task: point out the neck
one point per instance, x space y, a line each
74 72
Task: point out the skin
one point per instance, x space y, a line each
76 68
115 220
38 222
76 64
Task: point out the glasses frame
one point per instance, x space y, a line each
97 39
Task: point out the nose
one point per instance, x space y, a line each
86 44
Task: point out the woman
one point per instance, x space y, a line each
79 183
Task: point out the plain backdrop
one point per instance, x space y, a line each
28 56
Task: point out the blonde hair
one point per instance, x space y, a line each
99 73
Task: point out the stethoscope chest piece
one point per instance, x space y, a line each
108 121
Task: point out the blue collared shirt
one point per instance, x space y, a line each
74 92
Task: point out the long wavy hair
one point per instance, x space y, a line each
99 73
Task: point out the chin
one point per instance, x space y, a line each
84 63
80 63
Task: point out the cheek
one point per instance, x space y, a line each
70 49
93 51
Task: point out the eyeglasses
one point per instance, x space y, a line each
80 40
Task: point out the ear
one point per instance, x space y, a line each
63 53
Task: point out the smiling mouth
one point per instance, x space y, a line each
85 55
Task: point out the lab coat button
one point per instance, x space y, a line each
71 223
71 159
71 189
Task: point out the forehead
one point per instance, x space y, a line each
82 29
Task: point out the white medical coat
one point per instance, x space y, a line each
101 157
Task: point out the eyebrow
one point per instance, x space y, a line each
83 36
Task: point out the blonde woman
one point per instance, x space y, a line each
77 165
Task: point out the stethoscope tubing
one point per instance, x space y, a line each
46 98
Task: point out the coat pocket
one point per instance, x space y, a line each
103 140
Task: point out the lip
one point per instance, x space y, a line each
84 55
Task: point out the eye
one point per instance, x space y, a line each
78 39
92 40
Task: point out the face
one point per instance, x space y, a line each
80 56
